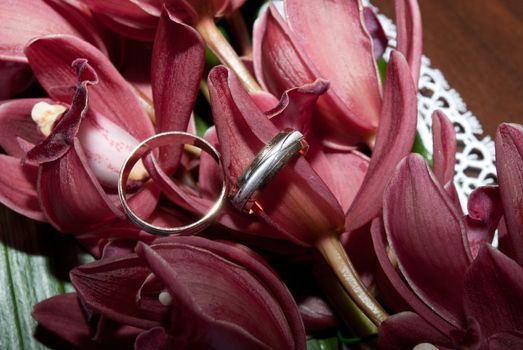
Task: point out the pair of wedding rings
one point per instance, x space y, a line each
267 163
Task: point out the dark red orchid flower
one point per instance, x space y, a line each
183 293
138 19
290 50
37 18
88 125
462 291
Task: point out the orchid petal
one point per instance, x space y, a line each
506 340
509 164
280 65
62 315
379 37
61 139
395 289
15 77
428 238
156 338
174 263
343 54
494 280
177 67
444 141
18 187
243 130
295 108
406 330
16 122
410 38
394 140
50 58
484 212
82 204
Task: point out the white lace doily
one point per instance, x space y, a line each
475 157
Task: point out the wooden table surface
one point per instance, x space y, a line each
478 45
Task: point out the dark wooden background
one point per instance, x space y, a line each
478 45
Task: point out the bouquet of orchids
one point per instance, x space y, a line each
337 238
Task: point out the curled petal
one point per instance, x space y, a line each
83 203
50 58
444 141
494 279
409 28
428 238
394 141
509 164
484 212
177 67
406 330
18 187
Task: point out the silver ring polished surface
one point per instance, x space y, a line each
171 138
267 163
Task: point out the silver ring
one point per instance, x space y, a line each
267 163
168 139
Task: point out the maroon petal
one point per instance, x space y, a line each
14 78
62 315
379 38
16 122
394 141
444 145
428 238
50 58
177 67
493 291
18 187
61 138
506 340
294 111
410 38
394 288
156 339
509 164
110 287
342 52
406 330
484 212
83 204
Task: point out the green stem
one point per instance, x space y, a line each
335 256
224 51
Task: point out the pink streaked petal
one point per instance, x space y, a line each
294 111
504 242
18 187
454 196
493 292
83 204
50 58
342 52
177 68
280 65
444 144
379 37
16 122
509 164
428 238
410 36
406 330
484 212
395 289
135 10
394 141
64 132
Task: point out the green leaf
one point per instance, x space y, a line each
419 147
323 344
28 251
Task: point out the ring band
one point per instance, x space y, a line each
171 138
267 163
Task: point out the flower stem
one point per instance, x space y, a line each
224 51
334 254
